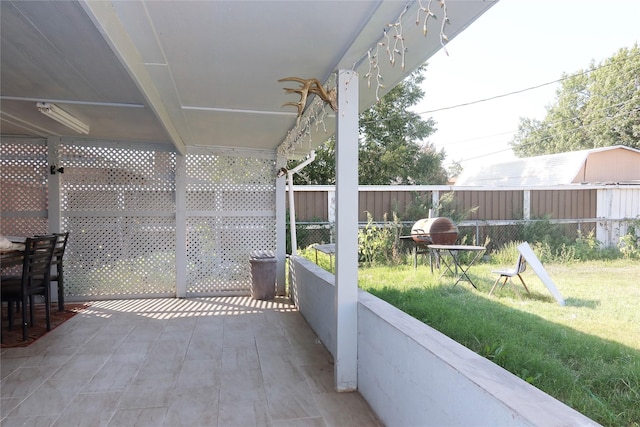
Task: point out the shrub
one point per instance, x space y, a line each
630 243
506 255
380 243
541 231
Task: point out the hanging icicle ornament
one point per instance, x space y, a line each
392 42
398 40
428 13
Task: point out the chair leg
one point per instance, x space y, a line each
47 306
32 315
494 285
24 318
505 282
525 286
60 289
10 313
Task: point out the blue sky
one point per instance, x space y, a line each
515 45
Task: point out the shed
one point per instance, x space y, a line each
617 164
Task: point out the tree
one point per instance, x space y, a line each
599 107
390 147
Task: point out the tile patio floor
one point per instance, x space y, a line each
227 361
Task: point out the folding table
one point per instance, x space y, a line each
454 260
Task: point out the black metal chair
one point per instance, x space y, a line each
35 280
57 275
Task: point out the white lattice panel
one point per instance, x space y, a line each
120 256
231 210
118 205
24 187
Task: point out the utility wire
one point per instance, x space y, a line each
550 124
551 136
584 72
491 98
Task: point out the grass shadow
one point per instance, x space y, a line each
581 302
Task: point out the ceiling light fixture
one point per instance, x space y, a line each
61 116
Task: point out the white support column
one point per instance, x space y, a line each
281 234
292 215
435 203
54 214
181 226
346 295
331 205
526 204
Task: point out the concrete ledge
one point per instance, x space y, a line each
313 292
412 375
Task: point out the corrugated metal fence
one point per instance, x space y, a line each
480 212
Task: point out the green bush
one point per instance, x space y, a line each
630 243
380 243
541 231
506 255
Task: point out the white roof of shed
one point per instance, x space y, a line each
550 169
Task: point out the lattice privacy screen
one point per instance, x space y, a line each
24 174
230 205
118 205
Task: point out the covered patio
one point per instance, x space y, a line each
167 165
210 361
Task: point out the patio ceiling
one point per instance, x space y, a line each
195 73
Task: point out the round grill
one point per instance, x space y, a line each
435 231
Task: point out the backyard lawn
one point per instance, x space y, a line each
586 353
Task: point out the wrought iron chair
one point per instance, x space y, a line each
57 275
521 266
35 280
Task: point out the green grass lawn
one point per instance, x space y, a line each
586 353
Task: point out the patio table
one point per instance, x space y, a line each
329 249
11 251
454 261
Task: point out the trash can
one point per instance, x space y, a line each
263 275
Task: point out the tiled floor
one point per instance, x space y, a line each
228 361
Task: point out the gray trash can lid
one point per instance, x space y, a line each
262 254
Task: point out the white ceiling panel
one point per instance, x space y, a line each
194 73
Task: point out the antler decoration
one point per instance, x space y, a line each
310 86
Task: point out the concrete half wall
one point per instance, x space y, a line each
312 289
412 375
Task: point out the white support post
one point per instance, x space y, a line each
526 204
435 203
292 216
54 213
181 226
331 205
346 292
281 234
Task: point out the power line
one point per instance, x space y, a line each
491 98
551 136
516 92
549 124
600 66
